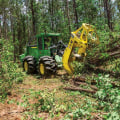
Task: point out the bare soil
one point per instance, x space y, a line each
9 110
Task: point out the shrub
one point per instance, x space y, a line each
10 71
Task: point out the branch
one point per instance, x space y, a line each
79 89
85 84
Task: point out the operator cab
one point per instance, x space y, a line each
45 40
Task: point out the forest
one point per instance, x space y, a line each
92 92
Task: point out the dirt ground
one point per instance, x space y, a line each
13 108
9 110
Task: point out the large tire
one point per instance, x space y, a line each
47 65
29 64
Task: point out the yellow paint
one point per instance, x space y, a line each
26 66
33 47
79 38
42 69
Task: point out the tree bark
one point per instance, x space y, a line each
0 57
4 25
107 9
33 17
114 53
118 5
75 14
0 29
27 21
14 44
68 16
85 84
52 12
79 89
79 79
24 31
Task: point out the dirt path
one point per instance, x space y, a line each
11 110
43 99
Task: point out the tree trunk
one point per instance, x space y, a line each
0 30
13 35
33 17
75 14
24 31
86 84
4 25
52 12
107 9
100 6
19 35
68 16
14 44
0 57
118 5
27 21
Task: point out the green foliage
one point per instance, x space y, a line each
109 98
45 102
79 67
79 113
115 65
10 71
90 8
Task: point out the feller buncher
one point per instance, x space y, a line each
46 54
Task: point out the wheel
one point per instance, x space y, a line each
29 64
47 66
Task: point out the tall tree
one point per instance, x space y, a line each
0 55
118 4
68 15
52 12
32 2
0 29
4 7
108 14
75 14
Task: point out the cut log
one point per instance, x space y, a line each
85 84
81 79
94 87
114 53
79 89
80 83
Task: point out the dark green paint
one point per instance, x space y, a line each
36 52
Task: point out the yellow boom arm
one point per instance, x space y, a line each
79 39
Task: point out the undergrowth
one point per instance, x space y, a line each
105 103
10 72
108 97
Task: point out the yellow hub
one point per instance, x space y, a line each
42 69
26 66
